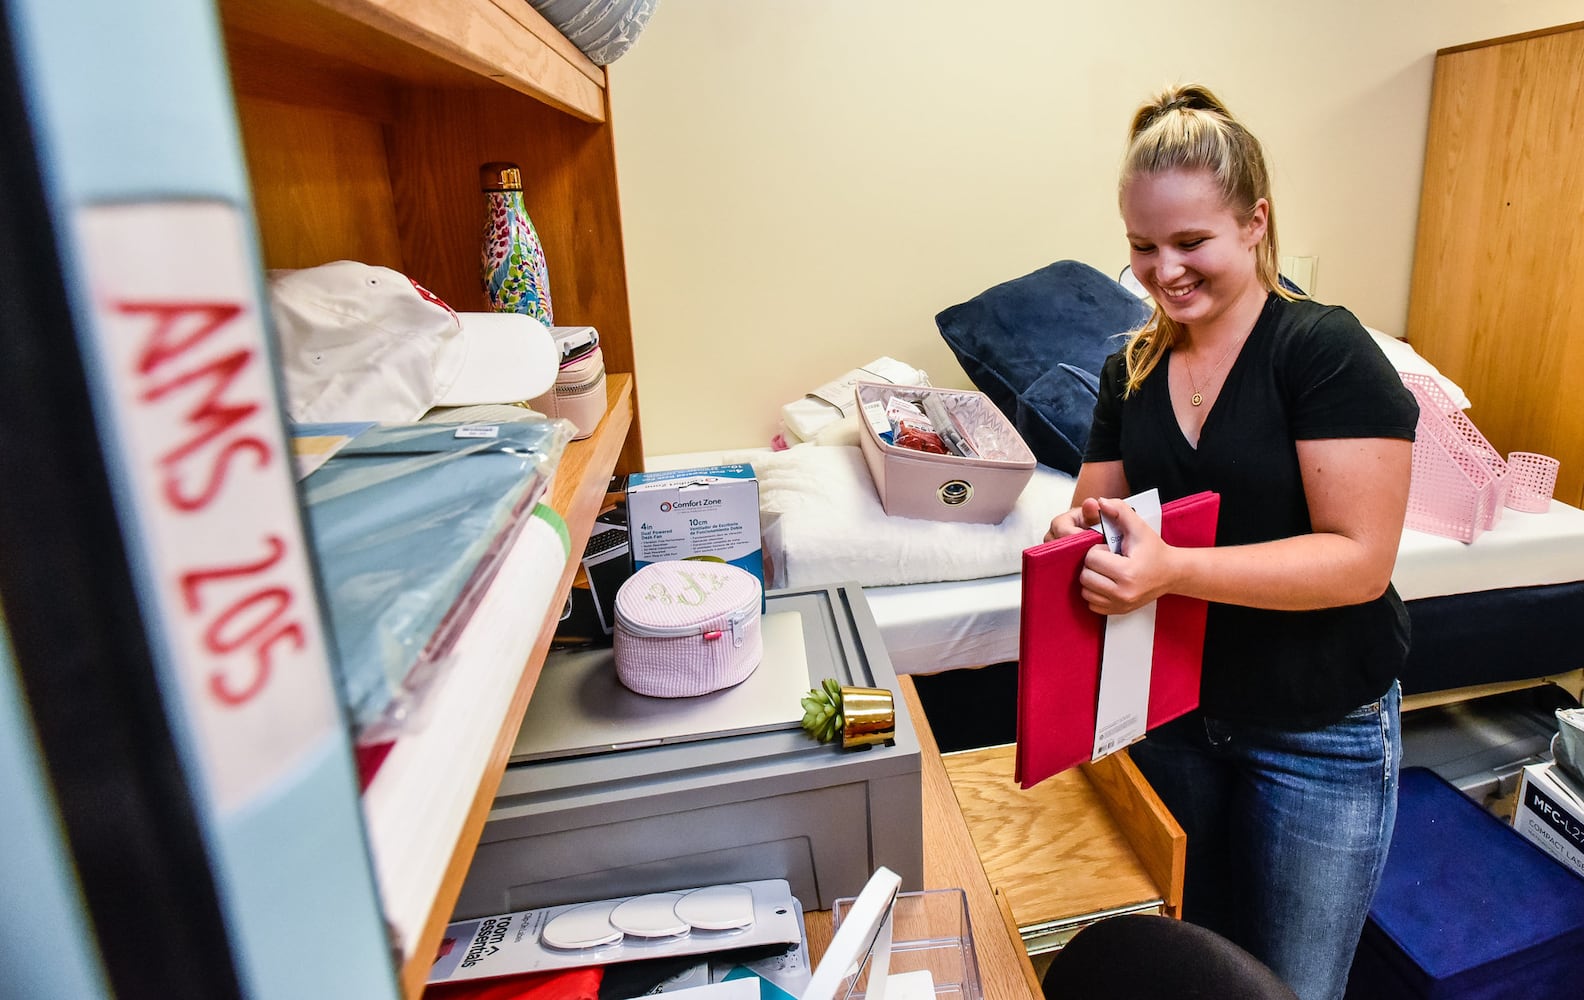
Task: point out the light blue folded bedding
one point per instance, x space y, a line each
408 524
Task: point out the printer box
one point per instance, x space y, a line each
629 819
1550 812
707 513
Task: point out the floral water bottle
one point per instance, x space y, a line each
512 260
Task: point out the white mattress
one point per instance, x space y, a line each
937 626
1523 550
932 626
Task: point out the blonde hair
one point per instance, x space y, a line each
1188 128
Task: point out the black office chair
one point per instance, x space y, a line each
1146 957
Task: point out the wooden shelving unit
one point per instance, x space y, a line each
423 831
364 123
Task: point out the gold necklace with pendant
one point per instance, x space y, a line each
1197 398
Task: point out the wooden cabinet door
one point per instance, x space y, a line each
1497 303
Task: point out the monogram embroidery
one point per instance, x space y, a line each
695 589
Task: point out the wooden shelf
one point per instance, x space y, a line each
364 129
428 803
471 43
364 123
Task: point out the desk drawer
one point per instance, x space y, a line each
1091 842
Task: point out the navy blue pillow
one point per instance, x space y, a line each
1055 410
1034 345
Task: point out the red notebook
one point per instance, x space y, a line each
1059 647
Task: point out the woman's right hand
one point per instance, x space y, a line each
1095 479
1081 518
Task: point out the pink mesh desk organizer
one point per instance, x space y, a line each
1459 483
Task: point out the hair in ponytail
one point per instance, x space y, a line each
1188 128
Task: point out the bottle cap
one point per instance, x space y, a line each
500 177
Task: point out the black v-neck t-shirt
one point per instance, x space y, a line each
1306 372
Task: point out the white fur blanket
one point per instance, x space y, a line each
823 523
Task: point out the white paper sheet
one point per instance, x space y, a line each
1128 652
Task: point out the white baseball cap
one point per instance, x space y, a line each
361 342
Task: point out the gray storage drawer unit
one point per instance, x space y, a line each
726 809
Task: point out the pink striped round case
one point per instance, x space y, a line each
687 627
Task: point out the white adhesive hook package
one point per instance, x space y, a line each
703 920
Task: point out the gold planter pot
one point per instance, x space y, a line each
868 716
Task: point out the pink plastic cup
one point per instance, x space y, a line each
1531 479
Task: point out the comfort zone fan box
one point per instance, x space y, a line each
705 513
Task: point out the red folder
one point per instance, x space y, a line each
1059 647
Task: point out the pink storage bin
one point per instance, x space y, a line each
1459 483
946 487
578 394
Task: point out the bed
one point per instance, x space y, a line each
1499 613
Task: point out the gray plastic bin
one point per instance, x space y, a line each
763 805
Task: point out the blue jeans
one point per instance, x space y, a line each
1287 832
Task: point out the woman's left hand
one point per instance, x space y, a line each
1116 584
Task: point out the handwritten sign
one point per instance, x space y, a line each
212 521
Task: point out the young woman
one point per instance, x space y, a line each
1285 779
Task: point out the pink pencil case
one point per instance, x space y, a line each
687 627
579 391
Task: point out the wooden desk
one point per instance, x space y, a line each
950 861
1037 864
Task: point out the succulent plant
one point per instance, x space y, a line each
822 711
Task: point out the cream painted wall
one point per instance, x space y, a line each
805 183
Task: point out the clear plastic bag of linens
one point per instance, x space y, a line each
409 525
